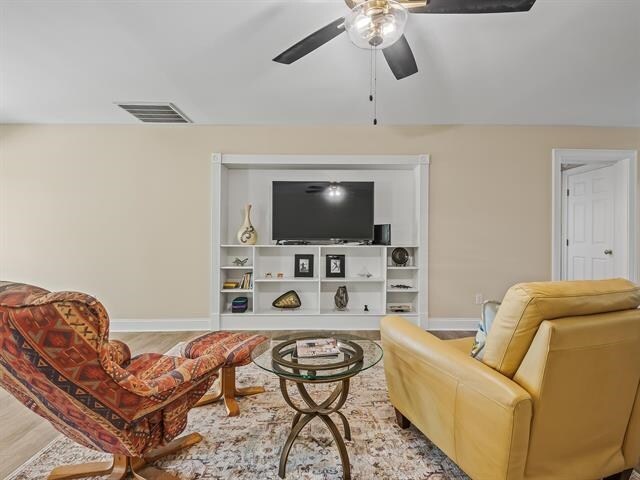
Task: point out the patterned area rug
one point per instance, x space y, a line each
247 447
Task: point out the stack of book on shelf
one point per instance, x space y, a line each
230 285
247 281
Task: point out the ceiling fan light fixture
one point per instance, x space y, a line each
376 24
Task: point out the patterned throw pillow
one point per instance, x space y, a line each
489 311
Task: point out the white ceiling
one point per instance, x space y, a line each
565 62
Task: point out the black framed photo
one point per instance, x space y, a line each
303 266
335 266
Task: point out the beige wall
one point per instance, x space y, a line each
122 212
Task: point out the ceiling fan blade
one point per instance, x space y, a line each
310 43
400 58
475 6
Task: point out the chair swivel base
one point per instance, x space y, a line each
228 392
121 465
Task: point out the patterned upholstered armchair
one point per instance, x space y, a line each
56 358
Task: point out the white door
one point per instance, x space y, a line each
590 228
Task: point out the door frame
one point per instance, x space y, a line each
629 160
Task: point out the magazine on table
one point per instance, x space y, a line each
317 347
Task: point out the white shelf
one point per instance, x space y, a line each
352 279
236 267
234 245
351 246
286 280
390 267
237 290
348 313
287 311
402 290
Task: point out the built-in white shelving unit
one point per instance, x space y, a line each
401 199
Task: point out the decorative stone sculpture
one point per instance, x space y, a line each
341 298
289 299
247 235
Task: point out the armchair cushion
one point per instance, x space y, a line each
235 348
527 305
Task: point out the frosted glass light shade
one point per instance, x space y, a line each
376 23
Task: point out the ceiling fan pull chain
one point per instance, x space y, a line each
371 74
375 87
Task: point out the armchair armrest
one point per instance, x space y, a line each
119 352
477 416
162 377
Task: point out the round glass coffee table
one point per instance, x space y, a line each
279 356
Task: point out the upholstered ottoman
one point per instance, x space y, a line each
236 348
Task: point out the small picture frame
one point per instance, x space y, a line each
303 266
335 266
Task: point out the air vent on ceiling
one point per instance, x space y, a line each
155 112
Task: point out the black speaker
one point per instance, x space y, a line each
382 234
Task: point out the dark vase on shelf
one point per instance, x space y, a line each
341 298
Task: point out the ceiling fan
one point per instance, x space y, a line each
379 25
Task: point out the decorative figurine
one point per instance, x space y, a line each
400 256
289 299
366 308
268 275
247 235
365 273
341 298
240 263
280 275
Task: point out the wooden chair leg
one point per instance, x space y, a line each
143 471
116 469
172 447
626 475
402 421
228 392
141 468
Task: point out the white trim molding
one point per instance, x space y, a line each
124 325
160 324
586 156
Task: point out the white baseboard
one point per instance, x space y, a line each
160 325
453 323
204 324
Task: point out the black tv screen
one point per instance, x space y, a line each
322 211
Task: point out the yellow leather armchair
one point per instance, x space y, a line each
556 396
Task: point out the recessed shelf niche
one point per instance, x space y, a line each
400 199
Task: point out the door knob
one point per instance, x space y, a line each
608 252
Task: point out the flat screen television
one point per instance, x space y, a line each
309 211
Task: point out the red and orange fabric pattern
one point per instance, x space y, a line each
56 358
236 347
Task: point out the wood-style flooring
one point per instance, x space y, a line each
23 433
